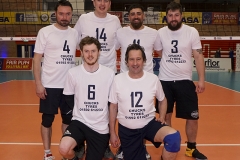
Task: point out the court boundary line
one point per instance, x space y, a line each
222 87
150 145
204 105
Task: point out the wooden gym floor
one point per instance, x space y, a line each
219 124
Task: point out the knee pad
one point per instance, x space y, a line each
172 142
66 118
47 120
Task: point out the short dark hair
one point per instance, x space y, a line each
62 3
174 6
133 6
135 47
89 40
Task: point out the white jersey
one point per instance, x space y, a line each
104 29
91 92
135 98
59 49
176 62
147 37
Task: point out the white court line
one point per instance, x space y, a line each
18 104
222 87
215 105
56 144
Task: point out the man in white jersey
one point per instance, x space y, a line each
138 33
103 26
132 100
179 43
90 84
58 43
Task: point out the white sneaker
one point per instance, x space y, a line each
119 154
48 157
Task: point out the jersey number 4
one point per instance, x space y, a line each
66 47
102 34
136 96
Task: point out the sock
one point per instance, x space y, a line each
191 145
47 151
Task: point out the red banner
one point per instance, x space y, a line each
17 64
224 18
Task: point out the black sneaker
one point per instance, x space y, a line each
195 154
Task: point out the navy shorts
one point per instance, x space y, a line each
132 139
183 93
96 143
54 100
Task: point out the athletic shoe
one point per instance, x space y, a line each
48 157
148 155
119 154
79 152
195 154
108 155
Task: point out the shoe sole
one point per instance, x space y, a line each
195 158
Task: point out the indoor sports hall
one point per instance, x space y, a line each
218 24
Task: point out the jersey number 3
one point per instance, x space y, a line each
138 96
175 48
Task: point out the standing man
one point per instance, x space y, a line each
132 100
90 84
140 34
179 43
58 43
137 33
103 26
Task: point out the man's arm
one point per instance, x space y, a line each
200 66
159 53
40 90
112 123
162 107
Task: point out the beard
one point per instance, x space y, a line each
90 63
137 25
63 23
175 27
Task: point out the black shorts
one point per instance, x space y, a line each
54 100
96 143
132 139
183 93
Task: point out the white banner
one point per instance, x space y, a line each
237 68
215 64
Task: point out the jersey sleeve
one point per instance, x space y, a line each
113 94
196 43
78 26
40 43
69 85
157 44
159 93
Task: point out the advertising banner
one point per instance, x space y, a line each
156 64
207 18
224 18
1 63
17 64
188 18
215 64
237 68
